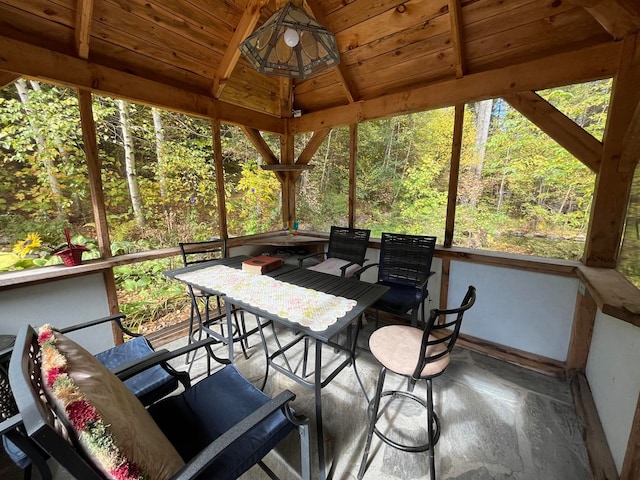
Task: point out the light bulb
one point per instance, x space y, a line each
291 37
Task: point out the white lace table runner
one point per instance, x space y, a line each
309 308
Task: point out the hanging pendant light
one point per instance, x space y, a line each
291 44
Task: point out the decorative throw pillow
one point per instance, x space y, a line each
109 422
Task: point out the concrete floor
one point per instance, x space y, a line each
499 421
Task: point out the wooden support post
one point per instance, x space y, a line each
97 201
456 148
353 158
288 183
583 319
613 184
631 464
222 205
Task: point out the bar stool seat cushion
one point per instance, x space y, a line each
397 347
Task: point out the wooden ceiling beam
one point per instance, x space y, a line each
561 69
455 17
84 13
341 71
6 78
577 141
28 60
245 27
618 17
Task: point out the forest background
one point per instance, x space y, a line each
519 191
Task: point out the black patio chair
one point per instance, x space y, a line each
148 386
200 252
82 415
417 354
345 253
17 445
405 267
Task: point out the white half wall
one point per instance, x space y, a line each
524 310
613 373
61 303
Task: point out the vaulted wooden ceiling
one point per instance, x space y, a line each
396 55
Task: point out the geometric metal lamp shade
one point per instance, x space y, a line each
291 44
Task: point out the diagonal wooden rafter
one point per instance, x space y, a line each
313 145
618 17
342 73
558 126
245 27
84 12
631 146
455 16
261 146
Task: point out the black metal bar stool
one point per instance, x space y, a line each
418 355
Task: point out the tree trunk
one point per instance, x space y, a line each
483 120
159 131
46 161
130 163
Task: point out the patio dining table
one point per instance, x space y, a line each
316 305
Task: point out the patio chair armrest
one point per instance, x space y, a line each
217 447
10 423
357 273
91 323
130 369
303 258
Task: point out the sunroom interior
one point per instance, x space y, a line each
573 319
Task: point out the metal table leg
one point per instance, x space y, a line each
319 428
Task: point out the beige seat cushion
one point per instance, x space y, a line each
100 412
332 266
397 347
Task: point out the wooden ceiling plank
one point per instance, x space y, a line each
455 16
577 141
355 12
618 17
160 21
84 13
230 58
28 60
414 38
183 40
341 71
571 29
391 22
569 67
